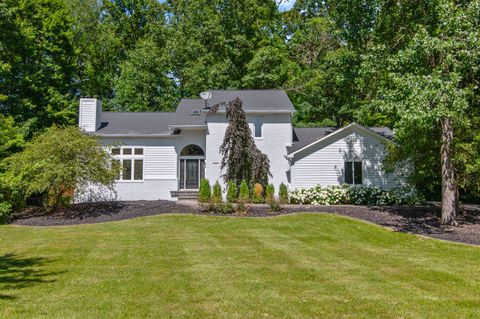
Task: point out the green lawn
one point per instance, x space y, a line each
298 266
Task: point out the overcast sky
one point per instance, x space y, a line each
285 4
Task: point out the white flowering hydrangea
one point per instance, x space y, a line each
355 195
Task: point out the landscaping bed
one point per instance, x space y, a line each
422 219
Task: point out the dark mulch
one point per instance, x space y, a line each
422 220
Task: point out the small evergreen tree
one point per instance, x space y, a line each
283 194
257 193
270 193
231 192
204 193
217 193
244 195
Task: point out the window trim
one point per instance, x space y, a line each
131 157
353 161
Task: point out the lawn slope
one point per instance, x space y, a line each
172 266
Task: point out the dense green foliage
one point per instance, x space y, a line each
61 163
205 191
407 65
231 192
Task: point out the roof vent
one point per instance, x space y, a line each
196 113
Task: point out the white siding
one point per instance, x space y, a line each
90 114
323 164
160 162
161 156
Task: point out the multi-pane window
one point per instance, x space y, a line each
131 163
258 129
353 173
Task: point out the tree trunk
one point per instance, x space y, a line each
449 183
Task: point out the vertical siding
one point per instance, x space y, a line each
324 164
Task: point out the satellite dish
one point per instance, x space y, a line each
206 95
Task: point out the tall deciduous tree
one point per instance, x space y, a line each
430 84
241 157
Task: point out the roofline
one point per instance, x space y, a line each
132 135
261 111
187 126
355 125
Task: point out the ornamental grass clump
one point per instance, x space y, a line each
205 192
257 194
283 194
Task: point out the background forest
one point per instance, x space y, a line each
407 64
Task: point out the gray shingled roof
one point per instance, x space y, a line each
130 123
255 100
303 136
189 112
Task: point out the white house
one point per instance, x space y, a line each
165 154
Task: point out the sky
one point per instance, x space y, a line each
285 4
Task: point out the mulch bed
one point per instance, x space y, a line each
422 220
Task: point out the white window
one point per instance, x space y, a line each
131 163
258 128
353 173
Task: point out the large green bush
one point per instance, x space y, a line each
60 163
205 191
244 195
217 193
231 192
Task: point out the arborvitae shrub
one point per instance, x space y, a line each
217 193
204 193
257 193
231 192
270 193
244 195
283 194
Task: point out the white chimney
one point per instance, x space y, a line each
90 115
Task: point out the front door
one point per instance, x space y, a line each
191 178
191 171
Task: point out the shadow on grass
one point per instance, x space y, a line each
17 272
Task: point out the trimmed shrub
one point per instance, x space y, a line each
217 193
283 194
205 192
257 193
270 193
5 212
244 195
231 192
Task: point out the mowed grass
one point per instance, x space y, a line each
172 266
